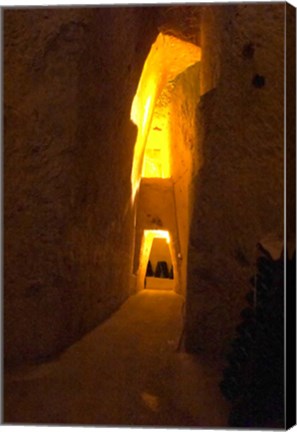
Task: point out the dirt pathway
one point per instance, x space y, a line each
125 372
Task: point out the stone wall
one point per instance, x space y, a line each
70 75
239 187
184 157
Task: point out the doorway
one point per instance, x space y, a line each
159 270
156 265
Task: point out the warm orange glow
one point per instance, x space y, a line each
147 241
156 161
141 114
149 235
168 57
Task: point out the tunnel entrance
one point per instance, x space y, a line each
163 110
159 271
156 260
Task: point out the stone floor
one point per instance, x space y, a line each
128 371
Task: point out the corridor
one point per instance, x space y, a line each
127 371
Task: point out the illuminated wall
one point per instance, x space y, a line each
156 162
168 57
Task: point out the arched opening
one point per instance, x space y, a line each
161 167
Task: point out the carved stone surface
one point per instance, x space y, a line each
70 75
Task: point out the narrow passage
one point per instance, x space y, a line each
127 371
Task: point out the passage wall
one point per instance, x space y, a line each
69 79
238 191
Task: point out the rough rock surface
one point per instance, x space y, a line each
239 187
184 157
70 75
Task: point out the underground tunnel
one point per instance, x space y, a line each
161 164
143 196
